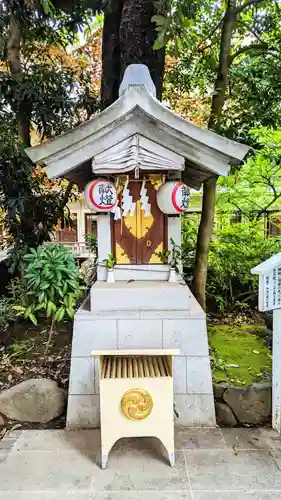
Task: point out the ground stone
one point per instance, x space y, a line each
219 390
225 415
2 421
34 400
251 405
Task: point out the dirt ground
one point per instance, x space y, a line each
22 349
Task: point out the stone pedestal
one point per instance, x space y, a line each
142 315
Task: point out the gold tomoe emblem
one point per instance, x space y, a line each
136 404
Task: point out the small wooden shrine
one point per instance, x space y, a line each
136 161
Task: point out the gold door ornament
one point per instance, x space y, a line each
136 404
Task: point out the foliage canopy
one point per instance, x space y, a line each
44 90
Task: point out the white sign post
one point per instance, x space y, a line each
270 300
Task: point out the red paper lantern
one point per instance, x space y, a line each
100 195
173 197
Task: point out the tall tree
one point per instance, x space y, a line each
209 47
209 195
42 90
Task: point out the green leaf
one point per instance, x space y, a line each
52 292
179 43
32 318
41 297
28 257
60 314
161 42
70 312
187 23
20 313
158 19
39 307
59 275
19 308
44 286
51 307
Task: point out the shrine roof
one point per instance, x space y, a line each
268 265
137 112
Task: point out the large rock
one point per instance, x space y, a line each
225 415
219 390
251 405
34 400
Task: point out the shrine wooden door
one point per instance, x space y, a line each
137 238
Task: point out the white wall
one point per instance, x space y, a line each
80 208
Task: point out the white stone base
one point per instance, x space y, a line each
83 411
142 315
145 272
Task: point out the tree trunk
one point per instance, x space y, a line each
13 47
111 53
128 37
209 195
222 81
203 240
137 36
14 58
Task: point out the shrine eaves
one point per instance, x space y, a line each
138 132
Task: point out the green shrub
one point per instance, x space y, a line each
91 243
53 283
110 261
7 313
234 251
17 290
189 228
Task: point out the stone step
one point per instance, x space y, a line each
142 295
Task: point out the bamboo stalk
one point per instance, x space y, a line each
130 368
119 367
141 368
151 368
104 364
162 367
136 369
146 367
113 368
124 368
167 366
108 368
155 365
